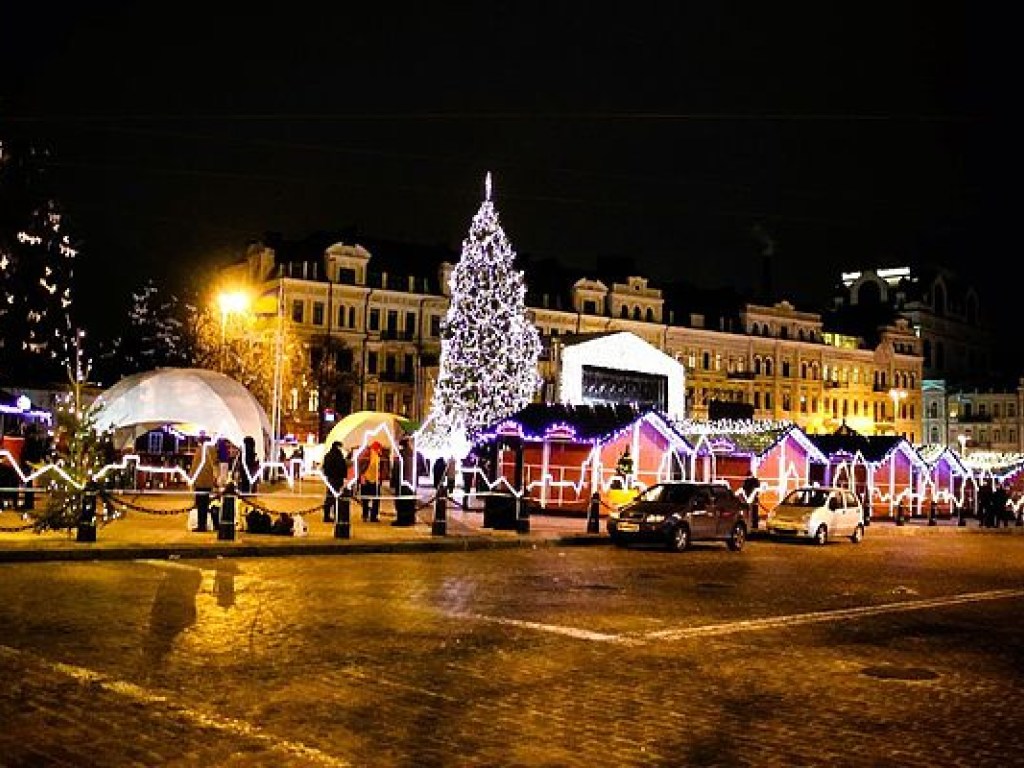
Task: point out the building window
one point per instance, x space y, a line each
757 399
341 316
410 324
351 317
435 326
297 312
318 313
389 402
785 369
767 401
371 401
392 321
374 324
589 307
371 362
650 315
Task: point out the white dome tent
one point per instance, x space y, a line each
195 399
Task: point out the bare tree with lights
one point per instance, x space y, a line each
37 259
489 347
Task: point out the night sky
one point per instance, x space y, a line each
695 139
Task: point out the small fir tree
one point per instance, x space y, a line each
489 347
80 450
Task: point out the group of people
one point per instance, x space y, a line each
208 470
993 501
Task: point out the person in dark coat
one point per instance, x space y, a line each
335 471
248 471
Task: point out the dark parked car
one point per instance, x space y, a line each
677 513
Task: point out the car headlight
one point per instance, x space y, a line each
613 515
654 518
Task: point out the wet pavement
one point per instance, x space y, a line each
904 650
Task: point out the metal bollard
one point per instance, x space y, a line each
899 514
342 519
961 520
440 524
86 529
522 516
1020 517
867 514
594 514
931 514
228 506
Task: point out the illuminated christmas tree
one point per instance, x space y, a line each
489 348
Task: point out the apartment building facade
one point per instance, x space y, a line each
379 330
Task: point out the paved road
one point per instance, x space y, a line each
902 651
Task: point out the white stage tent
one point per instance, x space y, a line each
193 399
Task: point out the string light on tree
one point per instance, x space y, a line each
489 347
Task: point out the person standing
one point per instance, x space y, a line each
335 471
369 485
624 466
248 466
204 475
751 485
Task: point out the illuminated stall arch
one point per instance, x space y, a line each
559 455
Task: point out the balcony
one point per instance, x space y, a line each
393 334
972 418
741 375
402 377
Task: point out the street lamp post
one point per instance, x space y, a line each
229 301
897 395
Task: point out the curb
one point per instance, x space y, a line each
88 552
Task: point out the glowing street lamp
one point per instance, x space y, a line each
897 395
963 444
229 301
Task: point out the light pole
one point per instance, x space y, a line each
897 395
229 301
962 439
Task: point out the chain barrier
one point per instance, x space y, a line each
119 504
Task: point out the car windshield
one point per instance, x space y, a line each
676 494
806 497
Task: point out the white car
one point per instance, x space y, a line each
818 513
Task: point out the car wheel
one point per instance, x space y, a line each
616 539
679 540
738 537
858 534
821 535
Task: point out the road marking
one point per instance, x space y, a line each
557 629
232 726
818 617
749 625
